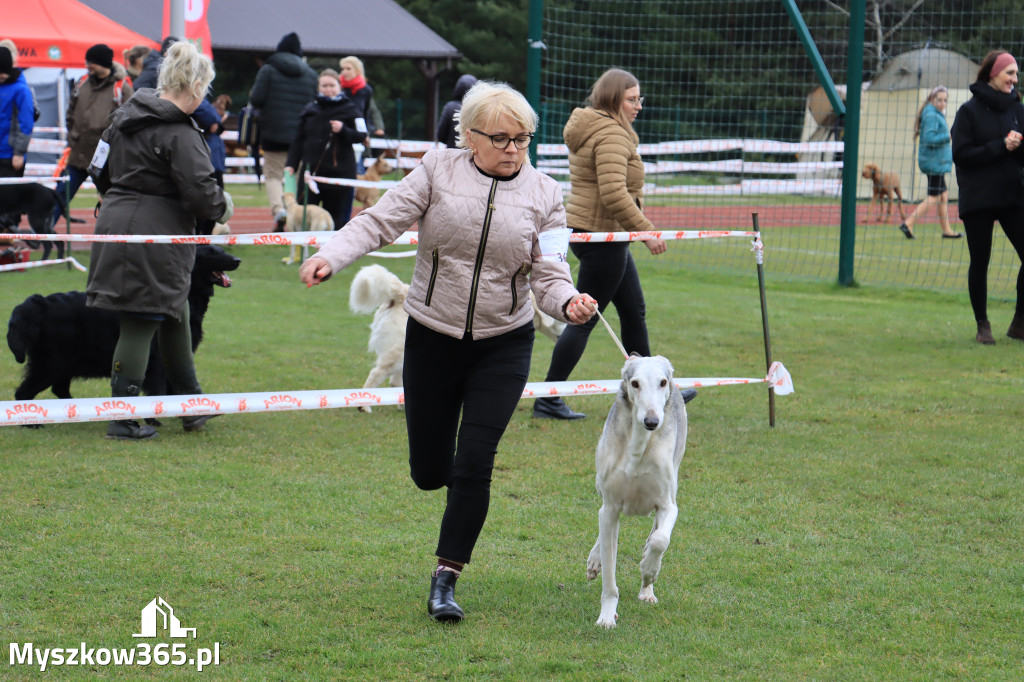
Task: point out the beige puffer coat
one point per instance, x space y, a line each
479 252
606 173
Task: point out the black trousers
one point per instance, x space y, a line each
608 273
483 382
979 226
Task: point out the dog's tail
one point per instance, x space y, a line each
373 286
25 325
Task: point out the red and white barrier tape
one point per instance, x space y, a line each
351 182
48 181
33 412
322 237
42 263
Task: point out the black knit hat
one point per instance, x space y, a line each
6 60
100 55
166 44
290 43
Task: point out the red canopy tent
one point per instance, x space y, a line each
58 32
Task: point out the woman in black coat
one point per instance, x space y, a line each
161 181
989 162
323 146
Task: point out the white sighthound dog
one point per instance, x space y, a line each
638 459
377 290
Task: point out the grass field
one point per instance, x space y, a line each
875 533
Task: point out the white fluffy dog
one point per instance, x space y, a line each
638 459
375 289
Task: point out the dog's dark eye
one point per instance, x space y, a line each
635 383
664 382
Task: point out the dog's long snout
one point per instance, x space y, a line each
651 421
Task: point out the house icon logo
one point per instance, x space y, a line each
158 614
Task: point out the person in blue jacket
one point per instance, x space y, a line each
212 124
17 117
935 159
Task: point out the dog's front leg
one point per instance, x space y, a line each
654 549
608 538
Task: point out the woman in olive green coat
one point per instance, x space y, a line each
161 180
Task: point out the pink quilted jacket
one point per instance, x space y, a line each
478 251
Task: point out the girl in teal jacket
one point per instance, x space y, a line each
935 159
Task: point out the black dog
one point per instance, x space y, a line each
37 202
63 339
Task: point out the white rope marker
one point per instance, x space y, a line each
321 238
38 412
42 263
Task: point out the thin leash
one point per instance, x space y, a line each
622 349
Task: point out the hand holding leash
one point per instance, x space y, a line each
580 309
314 271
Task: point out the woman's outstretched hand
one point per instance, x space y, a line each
314 271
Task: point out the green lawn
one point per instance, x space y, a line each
874 534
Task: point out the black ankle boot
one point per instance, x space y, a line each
127 429
441 603
554 408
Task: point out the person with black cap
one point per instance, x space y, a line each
102 90
284 85
16 122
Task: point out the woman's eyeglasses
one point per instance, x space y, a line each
501 140
635 101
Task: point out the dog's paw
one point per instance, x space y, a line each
593 565
606 620
365 409
647 595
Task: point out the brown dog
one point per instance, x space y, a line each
367 196
884 186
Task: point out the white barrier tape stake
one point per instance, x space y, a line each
321 238
32 412
758 249
42 263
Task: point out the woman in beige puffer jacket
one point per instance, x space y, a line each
487 227
607 177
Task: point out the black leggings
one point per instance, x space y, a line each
483 380
608 273
979 225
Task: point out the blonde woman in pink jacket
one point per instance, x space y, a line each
484 214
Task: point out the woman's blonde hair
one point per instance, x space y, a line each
930 99
608 92
185 70
356 63
485 102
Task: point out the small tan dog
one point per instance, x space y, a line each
368 196
884 186
317 220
